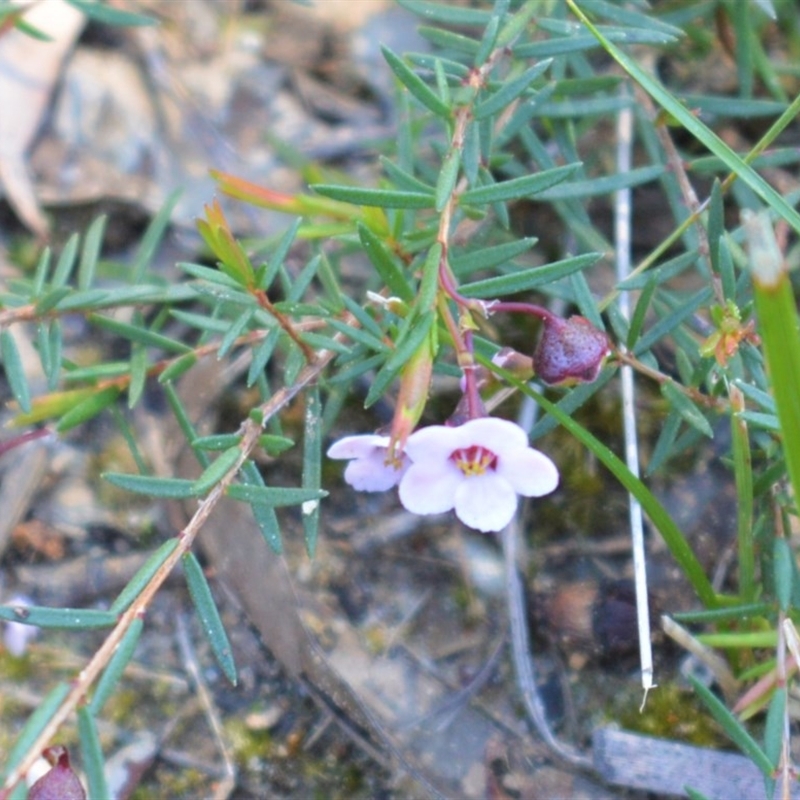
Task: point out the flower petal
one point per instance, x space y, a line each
434 443
430 488
529 472
371 473
486 502
357 446
498 435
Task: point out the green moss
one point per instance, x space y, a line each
248 744
185 783
670 713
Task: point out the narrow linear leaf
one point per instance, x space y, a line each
665 442
465 262
178 367
67 618
768 422
90 252
15 372
694 794
152 237
516 188
715 225
172 488
216 470
448 175
55 347
143 576
274 496
726 270
218 441
686 408
584 298
668 270
88 409
471 157
380 198
732 727
265 516
510 91
116 666
415 84
670 322
490 33
66 262
640 311
136 334
743 477
312 467
526 279
448 40
727 614
111 16
363 317
42 271
415 334
209 615
234 331
349 374
594 187
429 285
35 725
774 726
783 571
736 640
447 12
360 335
262 355
208 275
91 753
404 180
138 367
51 298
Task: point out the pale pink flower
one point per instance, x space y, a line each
368 470
477 468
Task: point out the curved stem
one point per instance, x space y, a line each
523 308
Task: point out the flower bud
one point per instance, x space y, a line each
61 782
569 351
415 382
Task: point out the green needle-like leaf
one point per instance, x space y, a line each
35 725
516 188
312 467
172 488
733 728
208 613
67 618
15 372
381 198
415 84
91 753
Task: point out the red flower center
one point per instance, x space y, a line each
474 460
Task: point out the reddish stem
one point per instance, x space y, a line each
23 438
523 308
